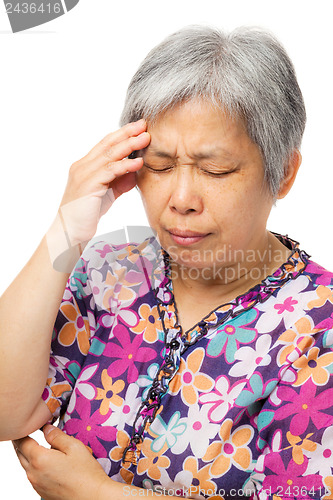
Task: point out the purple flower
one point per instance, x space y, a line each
88 428
127 353
324 277
305 406
286 481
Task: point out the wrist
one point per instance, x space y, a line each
63 250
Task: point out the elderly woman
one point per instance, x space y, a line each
197 362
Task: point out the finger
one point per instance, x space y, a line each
23 461
124 148
106 171
58 439
26 447
113 170
123 184
129 130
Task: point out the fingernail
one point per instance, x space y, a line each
48 428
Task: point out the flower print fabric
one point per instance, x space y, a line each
239 405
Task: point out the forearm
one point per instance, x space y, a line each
28 309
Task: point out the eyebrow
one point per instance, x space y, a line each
204 155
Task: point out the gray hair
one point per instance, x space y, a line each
247 73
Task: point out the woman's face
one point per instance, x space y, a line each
203 187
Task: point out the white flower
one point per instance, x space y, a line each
83 387
166 432
328 339
321 459
198 432
125 414
250 358
95 286
289 305
221 398
179 487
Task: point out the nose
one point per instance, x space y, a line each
186 196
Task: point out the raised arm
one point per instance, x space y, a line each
29 306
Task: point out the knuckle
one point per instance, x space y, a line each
107 153
38 461
75 444
109 165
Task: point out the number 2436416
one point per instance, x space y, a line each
33 8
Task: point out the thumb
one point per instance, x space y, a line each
57 438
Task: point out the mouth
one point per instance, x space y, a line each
185 237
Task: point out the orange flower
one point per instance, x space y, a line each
150 323
202 476
301 339
313 366
328 482
122 292
298 445
324 293
231 449
110 392
116 453
133 256
153 461
75 327
188 380
55 390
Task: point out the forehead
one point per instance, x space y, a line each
199 129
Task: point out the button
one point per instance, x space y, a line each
153 395
136 438
174 344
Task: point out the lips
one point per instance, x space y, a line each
186 237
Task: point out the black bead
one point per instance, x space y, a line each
136 438
174 344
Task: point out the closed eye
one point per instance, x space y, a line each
217 174
211 173
157 168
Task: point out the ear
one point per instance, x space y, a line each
293 166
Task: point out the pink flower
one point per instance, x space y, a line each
285 481
128 353
287 305
88 428
305 406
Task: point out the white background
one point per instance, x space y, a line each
62 88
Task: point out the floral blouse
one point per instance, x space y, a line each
240 405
